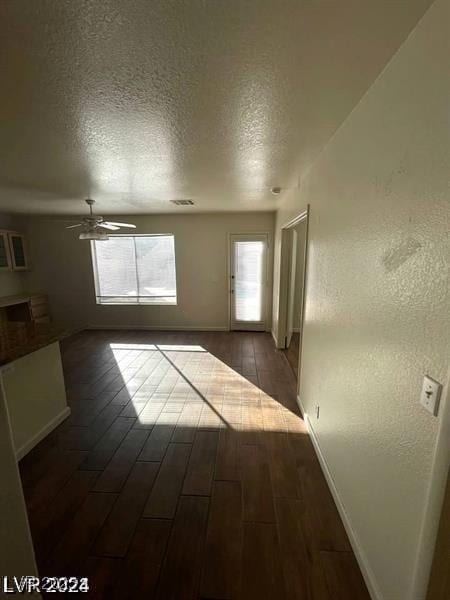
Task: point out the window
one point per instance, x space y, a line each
135 269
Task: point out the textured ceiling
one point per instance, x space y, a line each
138 102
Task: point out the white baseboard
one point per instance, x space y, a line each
157 327
40 435
299 402
73 331
363 563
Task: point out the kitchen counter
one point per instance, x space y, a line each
25 307
31 381
18 339
16 299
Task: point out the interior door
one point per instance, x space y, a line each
248 281
292 284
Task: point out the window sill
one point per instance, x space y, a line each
134 304
144 303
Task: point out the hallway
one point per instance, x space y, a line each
185 471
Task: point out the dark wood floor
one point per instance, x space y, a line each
292 353
185 471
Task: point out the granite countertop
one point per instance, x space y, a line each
20 338
16 299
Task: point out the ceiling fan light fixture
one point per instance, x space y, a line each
94 225
93 235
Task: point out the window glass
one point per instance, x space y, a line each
135 269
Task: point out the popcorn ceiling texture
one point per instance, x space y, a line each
135 103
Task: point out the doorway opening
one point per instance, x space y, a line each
294 238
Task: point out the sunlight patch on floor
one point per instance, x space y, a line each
168 383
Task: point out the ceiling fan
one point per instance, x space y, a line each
95 224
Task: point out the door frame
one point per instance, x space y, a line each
269 265
285 264
291 287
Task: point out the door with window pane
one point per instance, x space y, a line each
248 281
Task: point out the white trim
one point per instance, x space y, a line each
296 220
283 280
73 331
299 402
133 236
277 345
363 563
138 303
159 327
40 435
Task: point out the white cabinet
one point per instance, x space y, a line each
5 255
13 254
18 251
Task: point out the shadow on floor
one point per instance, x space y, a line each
185 471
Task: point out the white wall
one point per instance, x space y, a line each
377 305
11 282
16 547
62 267
36 404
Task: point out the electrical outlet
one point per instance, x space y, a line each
430 395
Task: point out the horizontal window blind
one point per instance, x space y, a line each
135 269
249 280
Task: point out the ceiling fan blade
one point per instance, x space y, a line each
121 224
107 226
72 226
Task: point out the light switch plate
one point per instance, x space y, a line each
430 395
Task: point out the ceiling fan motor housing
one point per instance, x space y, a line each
94 225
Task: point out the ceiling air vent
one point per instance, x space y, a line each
183 202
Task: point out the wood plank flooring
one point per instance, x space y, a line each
185 471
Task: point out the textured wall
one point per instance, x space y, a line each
62 267
378 307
